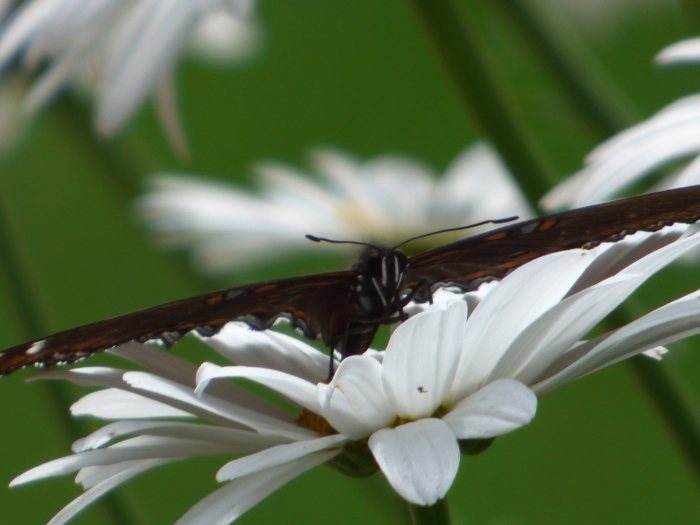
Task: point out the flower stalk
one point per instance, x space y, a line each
483 95
29 317
435 514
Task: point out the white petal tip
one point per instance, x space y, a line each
205 374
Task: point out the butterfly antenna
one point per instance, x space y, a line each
335 241
458 228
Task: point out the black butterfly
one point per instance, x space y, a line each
345 308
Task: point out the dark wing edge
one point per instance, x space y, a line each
315 304
493 255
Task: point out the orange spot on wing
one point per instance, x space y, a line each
215 299
295 312
497 236
547 224
265 287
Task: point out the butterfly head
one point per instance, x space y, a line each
379 284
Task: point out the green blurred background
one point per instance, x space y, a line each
365 77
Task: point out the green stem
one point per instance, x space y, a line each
436 514
691 9
674 404
29 318
559 49
56 394
594 94
118 167
666 391
483 95
121 171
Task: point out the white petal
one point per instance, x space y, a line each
664 256
231 501
113 403
268 349
565 193
222 38
112 431
614 257
498 408
243 441
419 459
657 353
85 376
684 51
85 499
140 447
298 390
510 308
671 322
169 116
670 134
354 402
562 326
421 358
158 361
144 47
22 27
170 366
90 477
277 456
210 407
458 197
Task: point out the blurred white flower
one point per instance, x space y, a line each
448 378
5 6
386 199
11 121
126 49
602 18
670 135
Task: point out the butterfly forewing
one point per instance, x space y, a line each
494 254
315 304
344 309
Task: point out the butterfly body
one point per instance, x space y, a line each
344 309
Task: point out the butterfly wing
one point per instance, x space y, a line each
494 254
316 304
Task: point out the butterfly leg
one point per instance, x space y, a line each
422 289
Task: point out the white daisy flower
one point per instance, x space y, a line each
127 49
388 198
670 135
447 379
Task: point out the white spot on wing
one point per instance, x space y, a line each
36 347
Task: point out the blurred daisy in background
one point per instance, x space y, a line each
669 142
5 6
121 51
386 199
12 88
442 385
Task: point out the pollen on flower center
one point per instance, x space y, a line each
438 414
364 218
312 421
